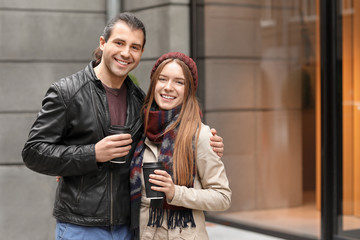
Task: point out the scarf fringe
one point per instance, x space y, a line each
156 217
175 218
180 219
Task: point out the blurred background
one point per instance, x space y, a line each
259 86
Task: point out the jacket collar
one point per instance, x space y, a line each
89 70
90 73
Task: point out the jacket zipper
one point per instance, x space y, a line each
99 127
136 127
107 116
111 198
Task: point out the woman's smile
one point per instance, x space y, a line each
170 87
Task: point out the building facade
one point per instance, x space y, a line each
278 79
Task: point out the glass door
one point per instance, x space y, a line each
349 218
340 115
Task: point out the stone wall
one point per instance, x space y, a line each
40 42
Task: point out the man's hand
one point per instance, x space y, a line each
216 142
112 146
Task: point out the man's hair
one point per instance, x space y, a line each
133 22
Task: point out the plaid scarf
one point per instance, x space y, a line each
176 216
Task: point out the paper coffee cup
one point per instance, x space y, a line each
116 129
148 168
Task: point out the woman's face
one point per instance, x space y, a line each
170 87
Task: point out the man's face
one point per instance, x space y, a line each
122 51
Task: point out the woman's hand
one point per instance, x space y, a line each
165 183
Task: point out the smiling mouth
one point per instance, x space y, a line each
122 62
167 97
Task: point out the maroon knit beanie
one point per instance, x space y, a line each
187 60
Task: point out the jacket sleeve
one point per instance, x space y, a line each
215 194
44 151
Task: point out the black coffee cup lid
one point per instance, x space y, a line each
152 165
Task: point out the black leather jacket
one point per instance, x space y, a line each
75 116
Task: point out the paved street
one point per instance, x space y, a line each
217 231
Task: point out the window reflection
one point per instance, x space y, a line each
260 60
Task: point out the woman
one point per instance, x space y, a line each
194 179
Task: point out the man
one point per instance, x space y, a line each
69 137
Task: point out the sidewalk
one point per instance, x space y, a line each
217 231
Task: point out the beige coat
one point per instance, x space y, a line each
211 192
